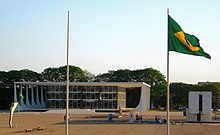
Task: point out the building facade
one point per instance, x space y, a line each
82 95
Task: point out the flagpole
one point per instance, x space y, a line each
67 77
168 83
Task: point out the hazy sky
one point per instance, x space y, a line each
108 35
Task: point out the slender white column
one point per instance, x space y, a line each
37 98
22 104
27 98
42 98
32 98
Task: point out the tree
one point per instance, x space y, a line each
89 75
105 77
76 74
215 89
121 76
7 80
179 94
50 74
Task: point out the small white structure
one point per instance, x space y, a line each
200 107
131 120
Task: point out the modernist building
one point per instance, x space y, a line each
83 95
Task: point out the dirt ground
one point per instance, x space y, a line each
54 124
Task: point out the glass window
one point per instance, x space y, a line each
84 89
106 104
78 103
75 88
70 89
105 96
83 104
114 88
74 96
114 96
93 96
74 104
79 88
57 104
88 88
92 88
110 96
53 104
71 103
106 89
57 95
110 104
71 95
79 95
88 96
52 95
61 95
96 96
114 104
110 89
49 95
83 96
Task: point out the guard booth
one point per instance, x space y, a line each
200 107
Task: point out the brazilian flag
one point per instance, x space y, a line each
182 42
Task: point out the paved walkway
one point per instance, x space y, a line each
146 129
53 124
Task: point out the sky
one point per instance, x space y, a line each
109 35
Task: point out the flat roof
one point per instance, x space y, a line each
119 84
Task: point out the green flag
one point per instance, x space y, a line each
182 42
20 95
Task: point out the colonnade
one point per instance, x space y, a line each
37 98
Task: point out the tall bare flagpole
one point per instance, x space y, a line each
168 83
67 76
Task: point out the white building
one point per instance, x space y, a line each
200 106
83 95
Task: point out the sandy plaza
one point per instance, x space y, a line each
41 123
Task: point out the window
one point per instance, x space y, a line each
114 88
110 96
92 89
71 103
105 96
110 89
106 89
75 88
74 95
114 96
110 104
57 104
74 104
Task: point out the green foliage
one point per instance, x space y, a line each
215 89
8 78
76 74
179 94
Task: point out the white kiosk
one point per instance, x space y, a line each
200 107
